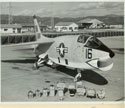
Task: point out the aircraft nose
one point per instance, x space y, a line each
106 49
111 54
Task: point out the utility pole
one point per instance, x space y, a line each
10 18
52 17
52 22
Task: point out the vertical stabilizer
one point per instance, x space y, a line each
37 30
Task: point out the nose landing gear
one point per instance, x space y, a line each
78 76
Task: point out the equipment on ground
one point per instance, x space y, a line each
91 93
101 94
30 94
52 90
72 90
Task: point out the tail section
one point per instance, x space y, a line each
37 30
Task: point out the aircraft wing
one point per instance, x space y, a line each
49 41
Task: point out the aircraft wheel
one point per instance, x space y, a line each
54 66
78 76
37 57
36 65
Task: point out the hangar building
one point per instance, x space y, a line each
66 26
90 23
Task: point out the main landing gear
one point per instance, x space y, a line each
40 62
78 76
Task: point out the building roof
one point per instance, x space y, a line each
89 20
19 25
85 20
96 21
31 25
64 23
27 25
11 26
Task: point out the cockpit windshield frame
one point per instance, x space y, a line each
93 42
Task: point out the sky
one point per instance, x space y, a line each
63 9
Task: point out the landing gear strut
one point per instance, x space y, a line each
78 76
41 62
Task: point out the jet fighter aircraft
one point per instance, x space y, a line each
78 52
74 51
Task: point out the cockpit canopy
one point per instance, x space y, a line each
89 41
93 42
83 38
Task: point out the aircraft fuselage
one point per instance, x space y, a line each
69 52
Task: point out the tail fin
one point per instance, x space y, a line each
37 30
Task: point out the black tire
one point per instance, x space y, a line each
54 66
37 57
36 65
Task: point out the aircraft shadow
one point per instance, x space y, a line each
29 60
87 75
119 49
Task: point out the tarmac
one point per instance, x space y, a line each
18 76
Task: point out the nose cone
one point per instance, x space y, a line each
106 49
111 54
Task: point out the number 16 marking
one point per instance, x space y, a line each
89 53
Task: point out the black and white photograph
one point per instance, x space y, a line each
62 51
